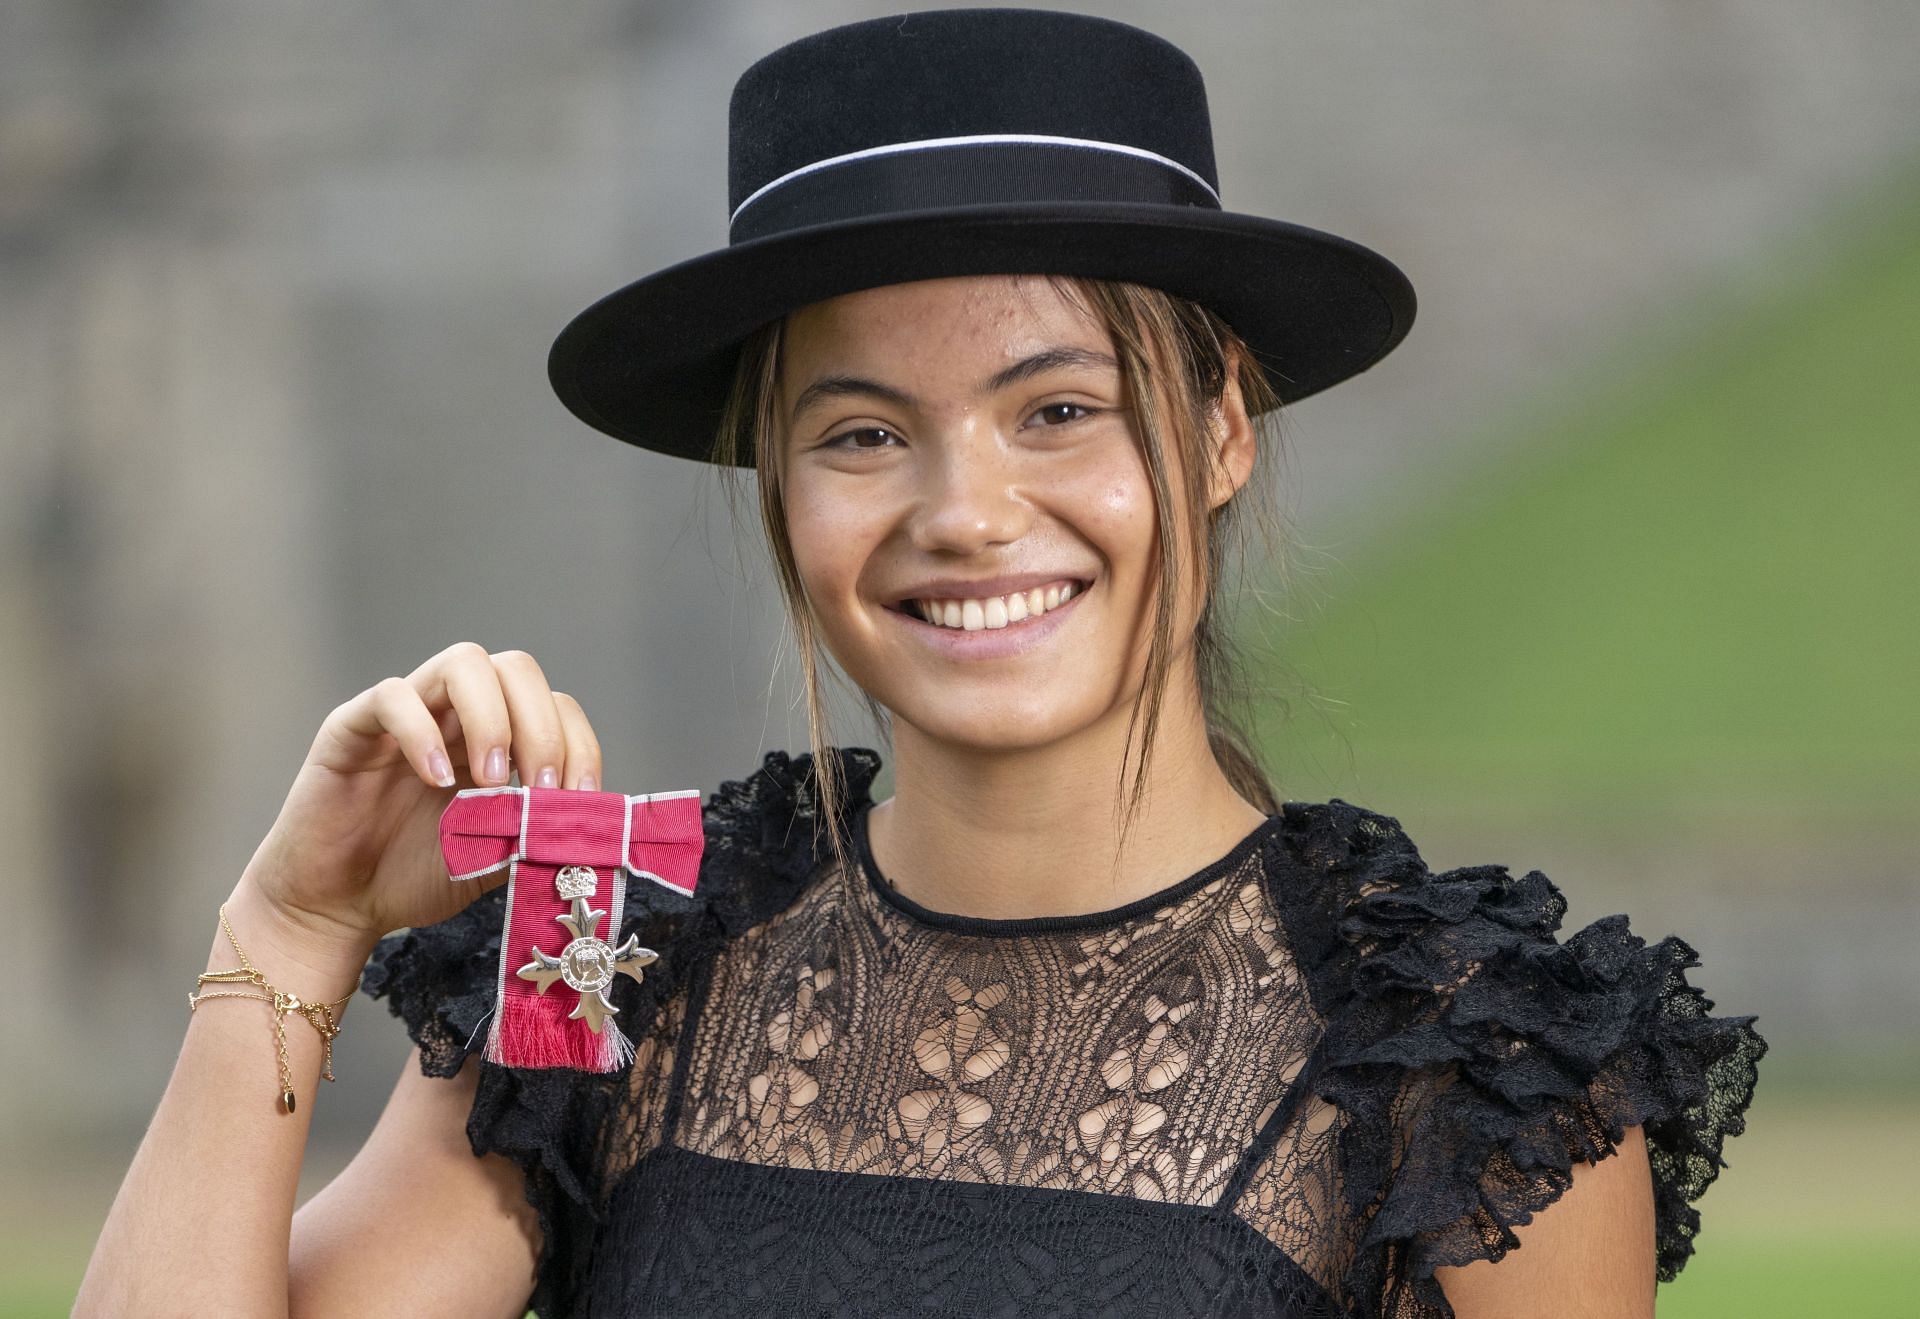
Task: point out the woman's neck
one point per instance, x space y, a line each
1032 832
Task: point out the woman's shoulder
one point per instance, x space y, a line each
1477 1055
1355 876
767 833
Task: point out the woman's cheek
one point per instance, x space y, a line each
1116 515
823 529
1113 491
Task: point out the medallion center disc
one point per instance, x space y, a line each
587 965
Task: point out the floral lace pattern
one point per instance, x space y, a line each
1303 1079
1127 1058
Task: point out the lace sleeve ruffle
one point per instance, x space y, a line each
761 846
1476 1058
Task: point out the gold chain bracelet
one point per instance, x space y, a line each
319 1015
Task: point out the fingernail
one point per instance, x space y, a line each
438 767
588 783
549 777
497 764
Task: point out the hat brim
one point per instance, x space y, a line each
651 363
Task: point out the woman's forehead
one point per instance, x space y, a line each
979 316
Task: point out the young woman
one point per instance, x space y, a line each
1083 1019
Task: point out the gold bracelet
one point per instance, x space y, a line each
319 1015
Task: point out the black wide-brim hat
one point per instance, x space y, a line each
969 142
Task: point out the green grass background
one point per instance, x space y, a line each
1689 575
1814 1273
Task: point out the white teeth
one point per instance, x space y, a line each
996 611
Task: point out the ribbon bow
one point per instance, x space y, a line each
560 846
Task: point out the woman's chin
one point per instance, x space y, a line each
1015 729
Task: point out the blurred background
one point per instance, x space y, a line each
1608 571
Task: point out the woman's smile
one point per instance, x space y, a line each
990 627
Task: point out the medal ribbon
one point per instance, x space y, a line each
541 1019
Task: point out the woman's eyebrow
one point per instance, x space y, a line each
1048 359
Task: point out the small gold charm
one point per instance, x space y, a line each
588 965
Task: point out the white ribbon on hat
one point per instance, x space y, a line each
973 139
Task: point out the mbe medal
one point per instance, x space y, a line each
564 850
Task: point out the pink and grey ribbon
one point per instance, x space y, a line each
568 854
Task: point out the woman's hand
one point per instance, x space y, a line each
355 851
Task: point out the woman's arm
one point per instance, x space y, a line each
415 1223
204 1222
1588 1255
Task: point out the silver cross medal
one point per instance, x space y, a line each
588 963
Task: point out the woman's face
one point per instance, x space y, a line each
961 448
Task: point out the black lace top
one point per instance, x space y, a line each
1295 1083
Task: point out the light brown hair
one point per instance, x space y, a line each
1174 357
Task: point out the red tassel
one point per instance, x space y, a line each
526 1033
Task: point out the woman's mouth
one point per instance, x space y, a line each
993 612
992 627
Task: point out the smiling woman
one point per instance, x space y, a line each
1083 1018
1047 438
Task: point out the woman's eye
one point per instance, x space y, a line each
837 442
1056 408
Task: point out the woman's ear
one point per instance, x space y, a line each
1234 439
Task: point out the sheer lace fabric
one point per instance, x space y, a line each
1296 1083
1141 1054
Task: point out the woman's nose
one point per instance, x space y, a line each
970 497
